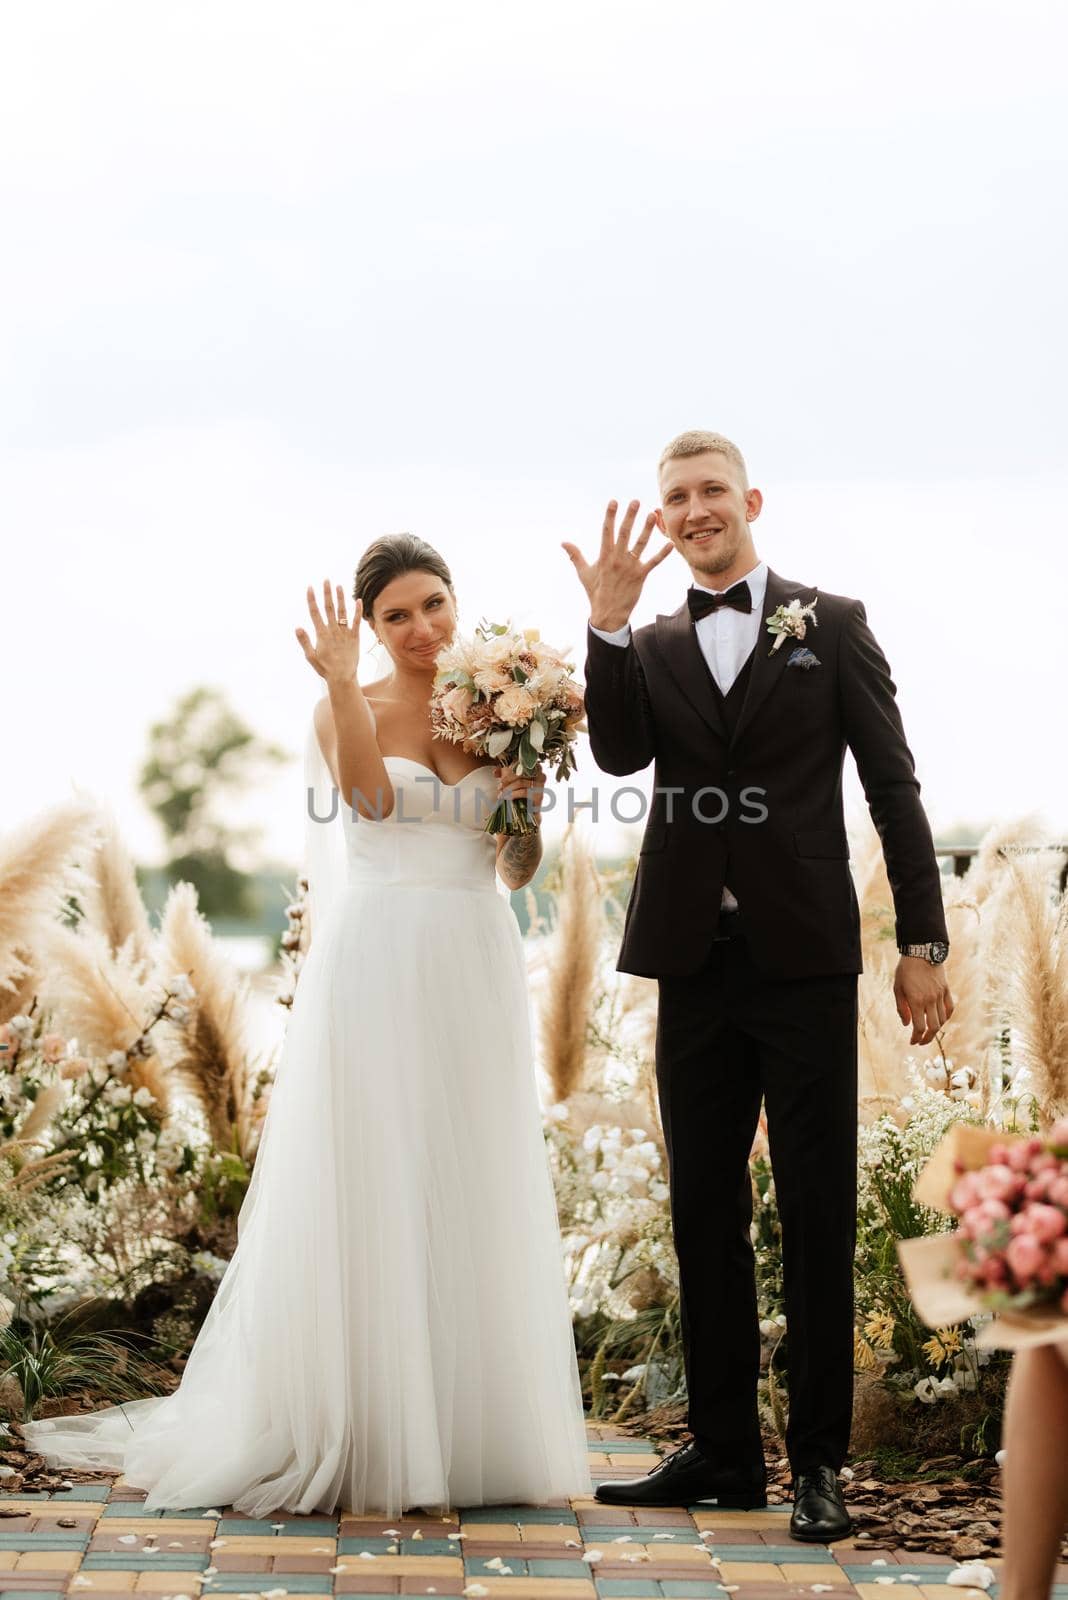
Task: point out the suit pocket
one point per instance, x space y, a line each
654 838
828 843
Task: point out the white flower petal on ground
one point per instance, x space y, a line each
475 1591
593 1556
972 1575
368 1555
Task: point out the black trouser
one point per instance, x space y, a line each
726 1037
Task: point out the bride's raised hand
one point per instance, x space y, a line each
336 651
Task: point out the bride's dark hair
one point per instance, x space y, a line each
390 557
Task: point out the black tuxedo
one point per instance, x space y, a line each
657 700
761 1005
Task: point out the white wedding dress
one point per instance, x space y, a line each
393 1329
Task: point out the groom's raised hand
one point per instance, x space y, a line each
922 995
615 580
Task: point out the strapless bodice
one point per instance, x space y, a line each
434 836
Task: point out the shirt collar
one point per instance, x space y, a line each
757 580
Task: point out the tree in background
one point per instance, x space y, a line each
199 760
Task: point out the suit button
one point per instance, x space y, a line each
731 772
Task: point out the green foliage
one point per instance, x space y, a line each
46 1362
199 758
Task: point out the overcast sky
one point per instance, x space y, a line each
277 279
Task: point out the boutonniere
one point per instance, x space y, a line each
788 622
802 657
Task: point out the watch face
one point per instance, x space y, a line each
939 950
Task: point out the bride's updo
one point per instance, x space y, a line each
390 557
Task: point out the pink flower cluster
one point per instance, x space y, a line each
1014 1222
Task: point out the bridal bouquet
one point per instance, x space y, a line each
1009 1254
510 696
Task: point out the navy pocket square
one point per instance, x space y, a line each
803 657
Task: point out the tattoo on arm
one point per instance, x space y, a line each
519 857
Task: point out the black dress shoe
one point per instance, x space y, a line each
819 1513
683 1478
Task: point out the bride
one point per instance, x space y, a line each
393 1329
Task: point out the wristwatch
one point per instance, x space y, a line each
935 952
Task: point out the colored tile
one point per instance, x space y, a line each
137 1561
49 1561
543 1532
795 1571
256 1583
516 1514
749 1572
91 1581
44 1541
778 1553
558 1569
676 1589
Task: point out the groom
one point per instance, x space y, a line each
743 909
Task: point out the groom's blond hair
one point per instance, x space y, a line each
696 442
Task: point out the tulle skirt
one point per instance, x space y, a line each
393 1328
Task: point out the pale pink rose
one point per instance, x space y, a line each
456 701
1024 1256
74 1067
981 1219
1020 1156
964 1193
491 680
514 706
495 652
1046 1222
1058 1192
997 1183
52 1047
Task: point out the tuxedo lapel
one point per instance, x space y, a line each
769 664
677 639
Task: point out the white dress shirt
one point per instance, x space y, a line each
726 638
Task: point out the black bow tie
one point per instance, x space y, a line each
701 602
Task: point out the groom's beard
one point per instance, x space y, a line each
709 563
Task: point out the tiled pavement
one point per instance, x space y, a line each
90 1539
